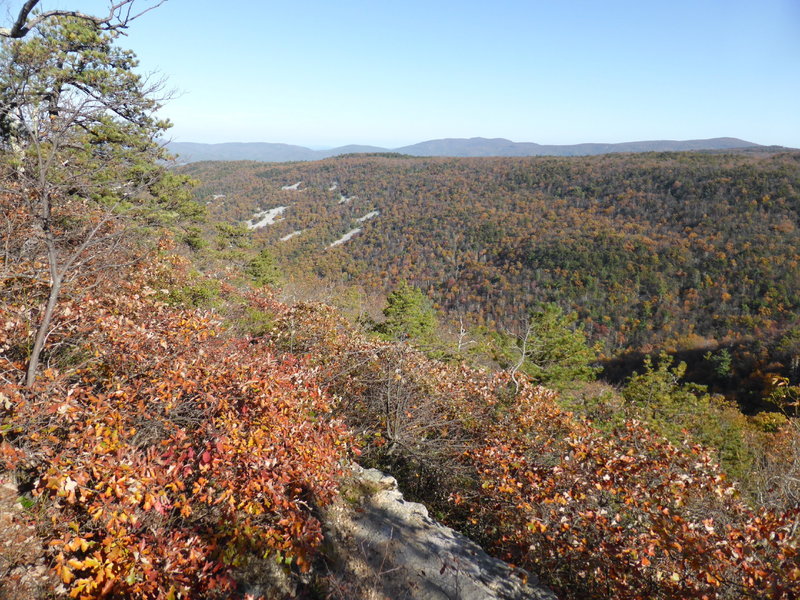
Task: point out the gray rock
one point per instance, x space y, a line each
388 548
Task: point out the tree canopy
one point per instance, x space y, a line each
79 152
120 13
686 252
409 314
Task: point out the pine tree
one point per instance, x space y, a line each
409 314
79 154
264 269
550 348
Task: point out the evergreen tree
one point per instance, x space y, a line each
409 314
79 152
551 348
264 269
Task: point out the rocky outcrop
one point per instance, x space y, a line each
381 547
377 547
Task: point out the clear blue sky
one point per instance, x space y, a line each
325 72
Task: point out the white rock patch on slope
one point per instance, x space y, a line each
267 217
289 236
334 185
294 186
368 216
389 548
345 199
346 237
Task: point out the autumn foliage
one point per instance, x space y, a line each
625 515
163 454
166 449
677 251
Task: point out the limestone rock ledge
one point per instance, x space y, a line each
381 547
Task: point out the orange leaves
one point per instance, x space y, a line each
175 451
626 516
173 445
65 573
537 526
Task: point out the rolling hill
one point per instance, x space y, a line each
268 152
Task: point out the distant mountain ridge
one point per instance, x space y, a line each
269 152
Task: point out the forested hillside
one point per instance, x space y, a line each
178 422
676 251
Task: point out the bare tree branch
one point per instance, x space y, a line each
523 354
120 14
18 29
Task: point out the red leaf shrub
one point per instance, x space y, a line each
625 515
172 453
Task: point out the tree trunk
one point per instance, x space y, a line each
41 334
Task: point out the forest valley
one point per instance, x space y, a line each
587 365
693 254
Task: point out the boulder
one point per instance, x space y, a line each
380 547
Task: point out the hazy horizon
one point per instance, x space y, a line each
357 143
323 74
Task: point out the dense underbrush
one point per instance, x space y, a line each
597 514
161 456
165 449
